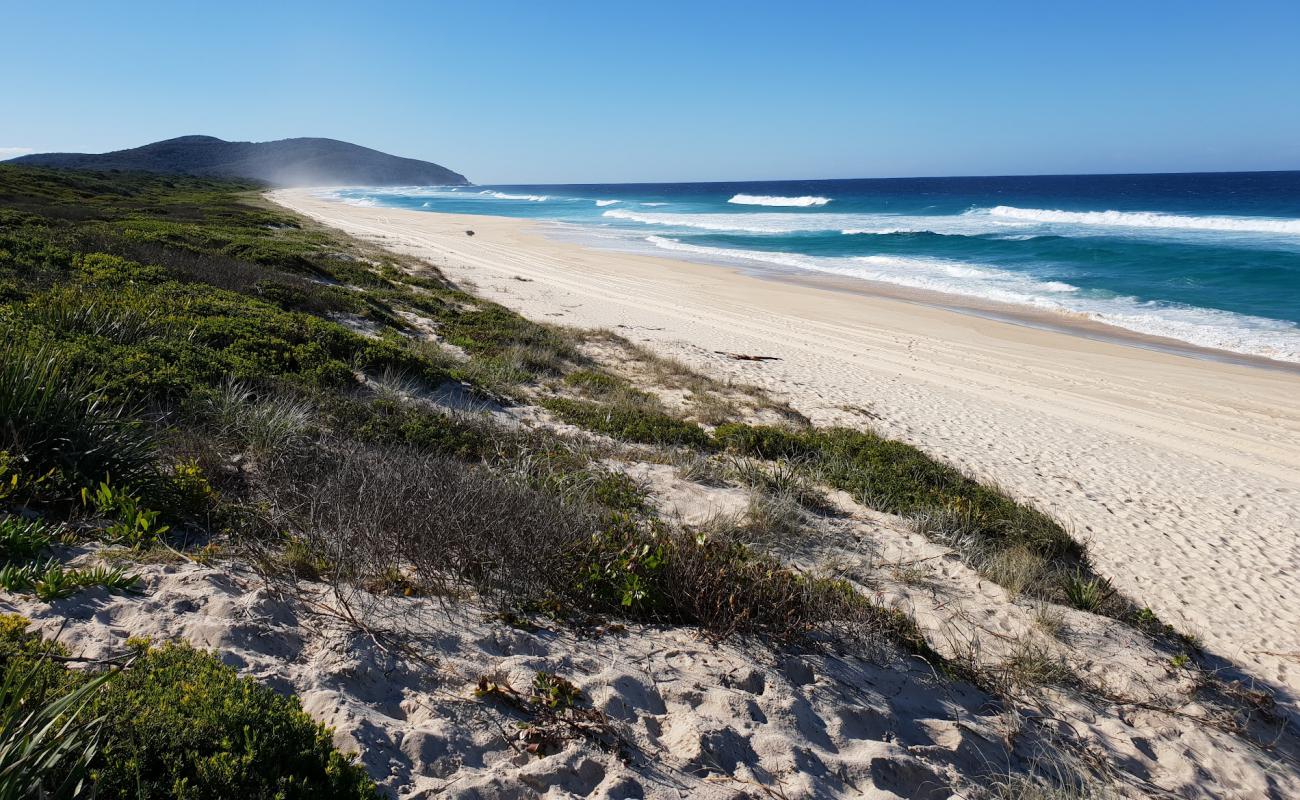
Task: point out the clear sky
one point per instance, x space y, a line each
554 91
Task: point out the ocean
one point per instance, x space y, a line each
1209 259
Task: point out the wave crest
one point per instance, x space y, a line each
607 202
1149 219
536 198
772 200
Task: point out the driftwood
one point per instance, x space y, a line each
744 357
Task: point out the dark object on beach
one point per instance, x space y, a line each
288 162
744 357
469 233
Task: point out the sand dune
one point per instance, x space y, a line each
1182 473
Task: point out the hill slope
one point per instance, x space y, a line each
287 162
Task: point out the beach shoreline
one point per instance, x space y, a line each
1010 313
1181 472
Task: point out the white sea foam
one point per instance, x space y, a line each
1004 222
654 204
364 202
775 222
607 202
1148 219
536 198
1205 327
771 200
881 231
742 223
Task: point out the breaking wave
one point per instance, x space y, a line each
536 198
1147 219
770 200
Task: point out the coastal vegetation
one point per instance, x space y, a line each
187 372
164 721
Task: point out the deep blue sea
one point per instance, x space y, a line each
1209 259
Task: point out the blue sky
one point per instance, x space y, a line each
631 91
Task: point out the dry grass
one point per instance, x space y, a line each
696 467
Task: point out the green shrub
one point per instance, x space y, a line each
131 524
390 422
179 724
619 492
764 441
593 382
630 423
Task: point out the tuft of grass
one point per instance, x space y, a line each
23 540
1017 569
50 580
271 426
1052 777
781 477
1087 592
122 317
396 385
772 516
1030 665
47 745
56 421
698 468
1049 619
709 408
595 383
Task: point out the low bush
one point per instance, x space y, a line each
390 422
627 422
458 527
453 529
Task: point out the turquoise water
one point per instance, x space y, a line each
1208 259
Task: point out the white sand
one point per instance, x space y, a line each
1182 474
692 718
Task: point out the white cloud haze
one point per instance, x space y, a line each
13 152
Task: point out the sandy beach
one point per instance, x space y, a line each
1181 473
